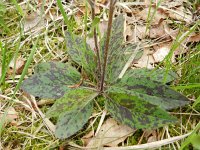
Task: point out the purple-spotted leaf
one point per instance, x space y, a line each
116 50
71 100
81 53
117 61
150 91
118 54
116 38
159 75
46 66
52 82
136 113
72 121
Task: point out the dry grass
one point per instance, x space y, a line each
30 130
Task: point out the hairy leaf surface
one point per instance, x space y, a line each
71 101
150 91
70 122
136 113
52 82
81 53
158 75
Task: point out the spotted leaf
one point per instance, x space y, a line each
116 49
81 53
159 75
150 91
71 100
117 61
72 121
118 53
52 82
136 113
46 66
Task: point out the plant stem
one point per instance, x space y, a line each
95 40
111 11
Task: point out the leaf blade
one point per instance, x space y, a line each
53 82
135 112
150 91
158 75
67 123
81 53
115 46
118 53
71 100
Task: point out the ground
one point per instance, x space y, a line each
33 31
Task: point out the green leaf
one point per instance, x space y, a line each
116 38
150 91
118 54
115 48
197 101
192 138
81 53
196 141
46 66
71 100
116 63
136 113
158 75
52 82
70 122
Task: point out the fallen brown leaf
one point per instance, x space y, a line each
102 1
146 60
139 32
10 116
110 134
180 14
167 3
160 14
161 51
150 135
152 138
33 21
18 65
135 33
158 31
194 38
128 33
87 138
172 4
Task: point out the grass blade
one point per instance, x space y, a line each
19 9
26 66
65 17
